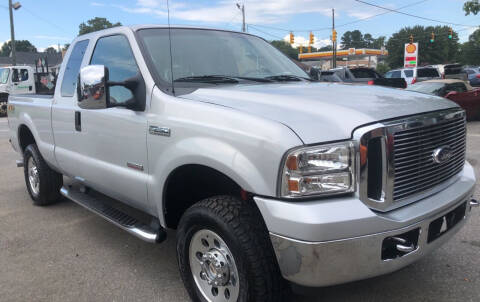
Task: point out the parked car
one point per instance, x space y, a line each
414 75
473 75
456 90
363 75
265 175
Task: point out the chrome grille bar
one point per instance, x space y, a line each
408 169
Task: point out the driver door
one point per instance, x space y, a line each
113 140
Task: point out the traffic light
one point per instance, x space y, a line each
312 39
309 48
432 39
450 33
292 38
411 39
300 49
334 35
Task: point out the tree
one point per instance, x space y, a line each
382 68
471 7
325 48
355 39
442 50
95 24
352 39
471 49
20 45
286 48
50 50
65 47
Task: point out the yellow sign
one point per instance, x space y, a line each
411 48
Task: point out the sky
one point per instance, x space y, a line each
47 23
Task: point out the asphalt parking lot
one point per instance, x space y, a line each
64 253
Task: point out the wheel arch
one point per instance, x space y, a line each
190 183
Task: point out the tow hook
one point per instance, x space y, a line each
474 203
403 246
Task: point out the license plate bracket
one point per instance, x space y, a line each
445 223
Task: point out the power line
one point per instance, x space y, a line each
341 25
414 16
44 20
380 14
264 32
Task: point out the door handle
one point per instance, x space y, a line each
78 121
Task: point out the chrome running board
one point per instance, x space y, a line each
115 216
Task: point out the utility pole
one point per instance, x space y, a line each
334 40
242 8
12 33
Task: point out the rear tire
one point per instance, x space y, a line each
43 184
220 230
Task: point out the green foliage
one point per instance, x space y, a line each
286 48
325 48
355 39
95 24
442 51
20 45
50 50
472 7
382 68
470 51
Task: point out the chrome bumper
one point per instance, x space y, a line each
337 240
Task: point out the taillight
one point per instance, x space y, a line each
371 82
478 76
414 80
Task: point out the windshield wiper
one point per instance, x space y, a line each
208 79
221 79
287 78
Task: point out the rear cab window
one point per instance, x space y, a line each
427 73
72 69
408 73
363 73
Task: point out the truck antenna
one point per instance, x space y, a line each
170 42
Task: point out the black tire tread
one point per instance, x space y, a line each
246 222
50 180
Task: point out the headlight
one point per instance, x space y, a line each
319 170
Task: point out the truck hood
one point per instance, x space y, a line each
320 112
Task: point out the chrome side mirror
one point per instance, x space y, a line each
92 87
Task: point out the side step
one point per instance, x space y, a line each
115 216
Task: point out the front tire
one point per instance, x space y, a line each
225 254
43 184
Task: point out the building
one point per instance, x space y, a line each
363 57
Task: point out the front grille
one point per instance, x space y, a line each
415 170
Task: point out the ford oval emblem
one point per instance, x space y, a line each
442 154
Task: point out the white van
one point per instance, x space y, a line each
414 75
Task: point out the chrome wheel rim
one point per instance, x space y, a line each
213 267
33 176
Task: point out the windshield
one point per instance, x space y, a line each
430 88
4 72
199 53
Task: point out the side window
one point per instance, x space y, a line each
408 73
23 75
73 67
397 74
15 77
115 53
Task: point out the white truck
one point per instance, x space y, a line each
16 80
266 176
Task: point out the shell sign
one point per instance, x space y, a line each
411 55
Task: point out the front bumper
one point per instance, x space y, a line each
328 242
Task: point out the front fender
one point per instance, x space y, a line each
212 153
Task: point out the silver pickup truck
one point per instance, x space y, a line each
266 176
